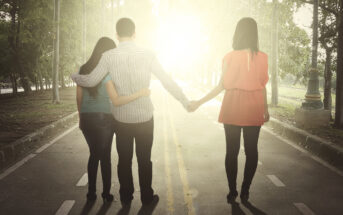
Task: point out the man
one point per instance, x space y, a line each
130 68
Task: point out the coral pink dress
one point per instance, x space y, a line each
245 78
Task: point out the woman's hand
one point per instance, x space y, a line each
193 106
144 92
266 116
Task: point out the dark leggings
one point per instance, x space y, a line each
233 136
98 129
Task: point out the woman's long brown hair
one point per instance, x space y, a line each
104 44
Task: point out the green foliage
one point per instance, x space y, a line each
35 33
294 43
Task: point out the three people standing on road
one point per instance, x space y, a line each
244 77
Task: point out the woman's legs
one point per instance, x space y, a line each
250 134
105 162
93 161
98 131
232 134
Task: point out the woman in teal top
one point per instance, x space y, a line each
97 122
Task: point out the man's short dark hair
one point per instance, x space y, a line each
125 27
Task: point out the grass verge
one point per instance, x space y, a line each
24 114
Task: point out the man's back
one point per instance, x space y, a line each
130 68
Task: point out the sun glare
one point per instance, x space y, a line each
181 42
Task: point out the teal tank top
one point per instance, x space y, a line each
99 104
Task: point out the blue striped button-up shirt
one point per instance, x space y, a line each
130 68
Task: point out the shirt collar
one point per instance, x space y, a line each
126 44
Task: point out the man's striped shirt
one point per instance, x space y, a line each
130 68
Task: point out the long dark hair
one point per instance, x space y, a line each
246 35
104 44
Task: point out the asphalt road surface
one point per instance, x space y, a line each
189 173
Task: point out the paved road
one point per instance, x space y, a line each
189 175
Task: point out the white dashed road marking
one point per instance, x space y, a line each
65 207
304 209
16 166
83 181
276 181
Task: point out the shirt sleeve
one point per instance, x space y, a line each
107 78
93 78
264 77
168 83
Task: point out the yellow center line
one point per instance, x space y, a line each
170 197
182 169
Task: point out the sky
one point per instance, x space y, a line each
303 18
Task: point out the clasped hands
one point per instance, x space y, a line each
193 105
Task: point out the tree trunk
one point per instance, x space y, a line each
55 79
274 79
40 80
63 85
339 85
36 84
297 79
14 84
84 31
46 84
14 42
327 85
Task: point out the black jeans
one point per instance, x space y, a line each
98 129
233 136
142 134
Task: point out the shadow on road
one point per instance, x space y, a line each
125 210
87 208
236 209
147 209
254 210
104 208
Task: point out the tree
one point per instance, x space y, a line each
275 48
55 80
328 40
14 10
339 85
335 7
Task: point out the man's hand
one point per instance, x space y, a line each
193 105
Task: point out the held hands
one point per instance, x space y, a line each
144 92
193 105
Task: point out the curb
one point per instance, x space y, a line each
12 151
325 149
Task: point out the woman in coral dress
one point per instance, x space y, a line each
244 107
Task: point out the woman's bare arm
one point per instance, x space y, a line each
212 94
79 98
122 100
266 112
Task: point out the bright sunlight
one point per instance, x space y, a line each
181 42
